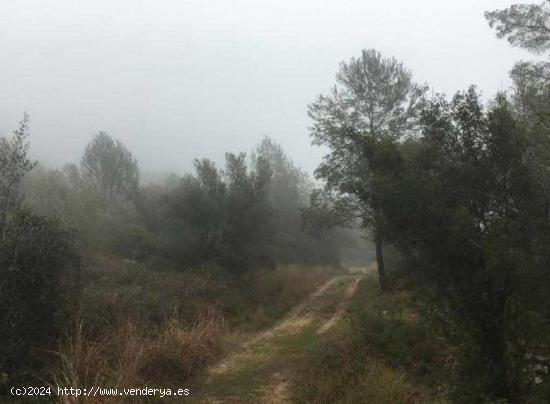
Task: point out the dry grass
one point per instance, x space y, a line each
131 357
81 361
178 354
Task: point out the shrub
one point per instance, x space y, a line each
385 354
38 275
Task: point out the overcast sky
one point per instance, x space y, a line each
179 79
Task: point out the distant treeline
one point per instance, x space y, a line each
459 188
245 216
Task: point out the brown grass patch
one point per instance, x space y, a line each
131 357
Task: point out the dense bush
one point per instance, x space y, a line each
477 236
39 276
39 263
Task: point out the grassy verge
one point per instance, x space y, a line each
384 353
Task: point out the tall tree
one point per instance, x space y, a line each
110 166
531 87
248 223
527 26
375 100
38 270
221 217
524 25
14 164
287 192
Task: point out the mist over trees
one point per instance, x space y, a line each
221 217
455 190
241 218
39 263
110 167
14 164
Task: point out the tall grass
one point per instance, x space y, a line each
132 357
140 326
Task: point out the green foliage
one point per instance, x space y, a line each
220 217
375 99
531 94
477 232
524 25
386 353
110 225
243 217
287 192
100 200
39 272
14 164
375 102
110 167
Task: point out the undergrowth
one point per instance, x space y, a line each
143 325
384 353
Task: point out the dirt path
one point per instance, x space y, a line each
261 370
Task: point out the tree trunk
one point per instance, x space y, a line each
382 276
3 226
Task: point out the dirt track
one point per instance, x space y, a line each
261 369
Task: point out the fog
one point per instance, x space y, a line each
175 80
